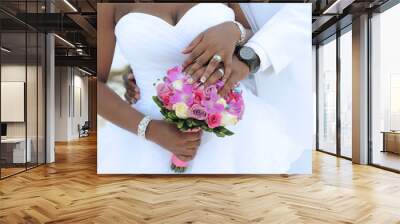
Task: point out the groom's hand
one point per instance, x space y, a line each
217 40
132 94
240 71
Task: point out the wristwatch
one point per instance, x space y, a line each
250 57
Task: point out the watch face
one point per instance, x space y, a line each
246 53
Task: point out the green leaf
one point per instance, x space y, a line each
169 120
172 115
180 124
225 131
189 123
220 134
158 102
198 122
164 112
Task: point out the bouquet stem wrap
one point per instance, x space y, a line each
178 165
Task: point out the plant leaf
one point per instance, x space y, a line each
225 131
180 124
158 102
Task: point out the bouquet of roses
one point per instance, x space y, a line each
192 106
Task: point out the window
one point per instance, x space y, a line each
385 89
346 93
327 97
22 66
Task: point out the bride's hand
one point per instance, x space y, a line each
183 144
132 94
218 40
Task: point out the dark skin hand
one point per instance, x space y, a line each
240 71
132 94
221 40
182 144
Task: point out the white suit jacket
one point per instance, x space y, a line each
282 40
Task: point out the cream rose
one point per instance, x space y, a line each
228 119
178 85
181 110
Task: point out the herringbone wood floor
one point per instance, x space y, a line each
70 191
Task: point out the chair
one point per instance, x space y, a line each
84 130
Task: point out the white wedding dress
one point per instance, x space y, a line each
152 46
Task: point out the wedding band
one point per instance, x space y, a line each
221 70
217 58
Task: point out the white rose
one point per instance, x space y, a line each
178 85
181 110
228 119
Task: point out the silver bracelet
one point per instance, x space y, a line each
242 33
142 127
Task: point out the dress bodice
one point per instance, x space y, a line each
151 45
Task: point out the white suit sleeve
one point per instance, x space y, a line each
277 40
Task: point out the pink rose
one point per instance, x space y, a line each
166 99
163 88
198 112
233 97
198 96
214 120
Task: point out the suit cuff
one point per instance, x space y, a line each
265 63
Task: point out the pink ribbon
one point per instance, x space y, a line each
177 162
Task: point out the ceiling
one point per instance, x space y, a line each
75 22
332 15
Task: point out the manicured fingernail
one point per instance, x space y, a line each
203 79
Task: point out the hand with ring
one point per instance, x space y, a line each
240 71
204 77
213 47
214 76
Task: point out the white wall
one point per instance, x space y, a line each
71 94
16 73
34 125
61 103
314 85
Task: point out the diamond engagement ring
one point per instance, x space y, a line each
217 58
221 70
